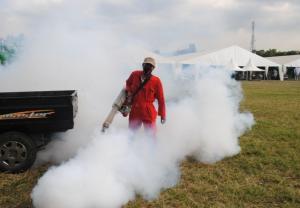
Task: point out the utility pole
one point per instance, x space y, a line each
252 48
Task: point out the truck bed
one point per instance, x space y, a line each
38 111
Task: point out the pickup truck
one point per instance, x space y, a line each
27 121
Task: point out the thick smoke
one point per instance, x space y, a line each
68 50
113 167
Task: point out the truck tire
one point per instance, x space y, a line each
17 152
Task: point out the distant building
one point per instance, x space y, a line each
191 49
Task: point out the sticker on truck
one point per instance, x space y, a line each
32 114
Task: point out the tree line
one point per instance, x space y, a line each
275 52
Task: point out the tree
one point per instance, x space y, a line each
2 59
6 54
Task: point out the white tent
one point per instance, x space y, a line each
295 63
233 66
223 56
286 60
241 56
251 67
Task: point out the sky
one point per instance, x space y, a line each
167 24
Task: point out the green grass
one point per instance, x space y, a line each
265 174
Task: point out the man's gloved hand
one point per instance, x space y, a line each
126 107
125 110
128 99
162 120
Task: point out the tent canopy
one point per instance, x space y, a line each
233 66
222 58
251 67
291 60
295 63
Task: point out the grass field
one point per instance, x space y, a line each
265 174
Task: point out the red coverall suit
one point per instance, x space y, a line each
143 110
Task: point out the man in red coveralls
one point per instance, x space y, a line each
142 109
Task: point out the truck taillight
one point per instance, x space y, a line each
75 104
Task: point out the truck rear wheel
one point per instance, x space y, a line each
17 152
